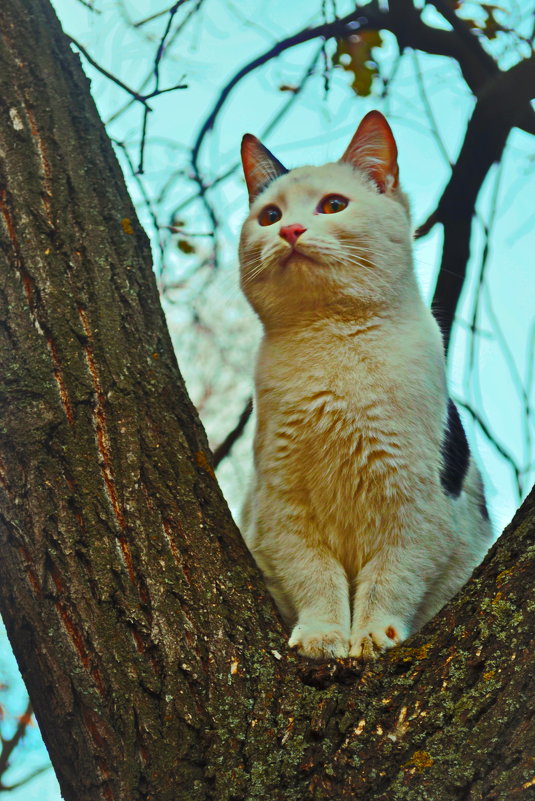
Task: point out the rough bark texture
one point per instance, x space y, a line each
156 664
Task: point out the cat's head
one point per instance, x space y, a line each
331 238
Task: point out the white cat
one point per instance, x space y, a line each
366 512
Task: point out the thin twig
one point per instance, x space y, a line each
142 189
107 74
90 6
8 746
504 453
152 17
161 46
25 780
336 28
309 72
141 164
427 226
427 106
471 377
135 95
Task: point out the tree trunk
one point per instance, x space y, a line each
156 664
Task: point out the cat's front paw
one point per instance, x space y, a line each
320 641
371 641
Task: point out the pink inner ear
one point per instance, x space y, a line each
373 150
249 157
248 148
260 167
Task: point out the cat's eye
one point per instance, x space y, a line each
331 204
269 215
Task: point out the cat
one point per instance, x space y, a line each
366 512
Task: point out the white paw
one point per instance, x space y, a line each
320 641
374 639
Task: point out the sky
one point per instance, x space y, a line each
214 332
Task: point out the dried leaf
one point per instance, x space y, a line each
492 26
362 85
354 55
185 246
372 38
25 719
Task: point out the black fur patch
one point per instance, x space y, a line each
483 508
455 452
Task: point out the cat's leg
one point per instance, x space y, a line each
320 594
312 583
390 588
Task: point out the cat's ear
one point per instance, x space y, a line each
373 150
260 167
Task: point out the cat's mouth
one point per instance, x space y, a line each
294 255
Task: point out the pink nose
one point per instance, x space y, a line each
291 232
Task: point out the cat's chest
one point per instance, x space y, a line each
333 411
314 386
326 415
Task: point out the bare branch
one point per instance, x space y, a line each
136 95
369 16
504 453
477 66
107 74
152 17
225 447
8 746
497 110
25 779
161 46
90 6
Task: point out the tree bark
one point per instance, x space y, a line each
155 662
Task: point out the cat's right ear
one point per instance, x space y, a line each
260 167
373 150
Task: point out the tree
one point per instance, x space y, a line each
156 664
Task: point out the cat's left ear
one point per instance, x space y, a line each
373 150
260 167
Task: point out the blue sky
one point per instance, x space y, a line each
217 363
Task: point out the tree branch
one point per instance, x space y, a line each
498 109
8 746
